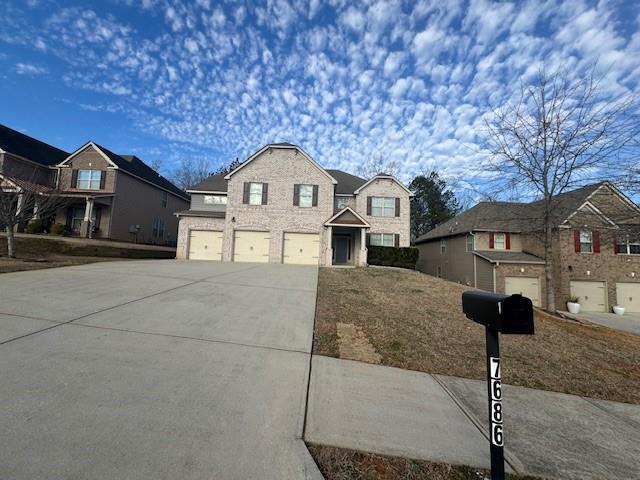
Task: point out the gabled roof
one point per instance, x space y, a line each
133 166
213 183
387 177
346 218
512 216
12 141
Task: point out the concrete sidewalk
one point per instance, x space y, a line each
432 417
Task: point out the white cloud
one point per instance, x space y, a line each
29 69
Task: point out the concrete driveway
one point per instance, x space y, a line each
156 369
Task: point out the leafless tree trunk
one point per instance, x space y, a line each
560 134
191 171
378 164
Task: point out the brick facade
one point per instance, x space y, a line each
194 223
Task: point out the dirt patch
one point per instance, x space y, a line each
353 344
8 265
344 464
415 321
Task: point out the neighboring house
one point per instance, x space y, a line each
498 246
280 206
102 195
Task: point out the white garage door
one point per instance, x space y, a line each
205 245
592 295
628 295
525 286
301 248
251 247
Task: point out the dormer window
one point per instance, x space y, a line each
89 179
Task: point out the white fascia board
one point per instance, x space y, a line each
385 177
215 192
82 148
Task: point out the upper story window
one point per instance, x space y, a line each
342 202
215 200
443 247
382 239
255 193
164 199
625 246
499 241
89 179
470 243
586 241
383 207
305 196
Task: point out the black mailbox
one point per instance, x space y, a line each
509 314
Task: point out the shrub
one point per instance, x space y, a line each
35 226
57 229
405 257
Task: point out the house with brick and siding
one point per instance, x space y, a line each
498 246
280 206
101 194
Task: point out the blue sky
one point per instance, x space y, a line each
407 81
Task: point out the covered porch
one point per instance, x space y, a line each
86 216
347 232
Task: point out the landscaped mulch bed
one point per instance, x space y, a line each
415 321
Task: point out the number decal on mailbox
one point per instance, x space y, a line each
497 435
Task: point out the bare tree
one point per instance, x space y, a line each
22 201
191 171
156 164
560 134
378 164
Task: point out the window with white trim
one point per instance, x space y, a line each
625 246
443 246
158 228
499 241
255 194
470 243
89 179
215 199
382 239
586 241
342 202
305 196
383 206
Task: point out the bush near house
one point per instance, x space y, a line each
35 226
405 257
57 229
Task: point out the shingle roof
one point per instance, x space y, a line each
509 257
510 216
28 147
347 183
135 166
213 183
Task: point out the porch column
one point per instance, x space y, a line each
35 209
363 247
85 227
329 253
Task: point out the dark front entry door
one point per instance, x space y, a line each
342 249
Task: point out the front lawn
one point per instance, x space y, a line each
415 321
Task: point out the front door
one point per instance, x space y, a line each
341 250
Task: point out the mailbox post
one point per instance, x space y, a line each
507 314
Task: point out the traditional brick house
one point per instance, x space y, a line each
498 246
280 206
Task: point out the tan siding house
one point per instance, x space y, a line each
280 206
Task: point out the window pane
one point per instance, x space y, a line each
634 248
585 241
255 194
376 239
208 199
377 202
498 241
388 240
306 195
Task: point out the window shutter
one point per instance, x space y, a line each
368 205
315 196
397 206
615 245
296 195
103 178
507 241
396 240
491 240
368 239
265 190
576 240
596 242
74 178
245 194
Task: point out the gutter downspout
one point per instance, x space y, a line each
495 285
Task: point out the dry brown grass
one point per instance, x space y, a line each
343 464
8 265
415 322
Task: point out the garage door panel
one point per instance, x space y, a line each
250 246
526 286
628 296
205 245
301 248
592 295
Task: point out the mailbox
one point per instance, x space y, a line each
508 314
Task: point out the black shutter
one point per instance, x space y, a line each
397 240
74 178
368 205
397 207
315 196
296 195
245 193
103 178
368 239
265 190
